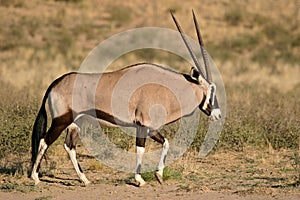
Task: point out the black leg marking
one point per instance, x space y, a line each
138 169
156 136
141 136
165 157
80 169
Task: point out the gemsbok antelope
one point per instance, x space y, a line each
150 106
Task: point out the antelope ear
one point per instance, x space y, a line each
194 74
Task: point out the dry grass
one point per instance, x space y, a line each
254 43
259 172
57 38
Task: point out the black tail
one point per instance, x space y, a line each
39 130
40 124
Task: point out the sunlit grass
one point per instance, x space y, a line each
256 50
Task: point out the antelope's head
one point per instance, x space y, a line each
209 104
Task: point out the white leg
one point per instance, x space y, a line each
72 154
161 165
139 157
34 174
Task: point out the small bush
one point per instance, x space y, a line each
296 41
119 14
276 32
263 55
219 52
241 43
234 16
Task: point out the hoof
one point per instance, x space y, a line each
159 177
139 181
35 177
87 184
36 182
141 184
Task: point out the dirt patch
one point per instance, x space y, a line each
224 175
107 191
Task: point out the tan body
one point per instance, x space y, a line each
143 94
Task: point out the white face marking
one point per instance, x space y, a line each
215 114
213 97
210 92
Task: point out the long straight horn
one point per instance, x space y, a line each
204 54
188 46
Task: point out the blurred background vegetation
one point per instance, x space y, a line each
254 43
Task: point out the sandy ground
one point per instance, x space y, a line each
107 191
258 175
